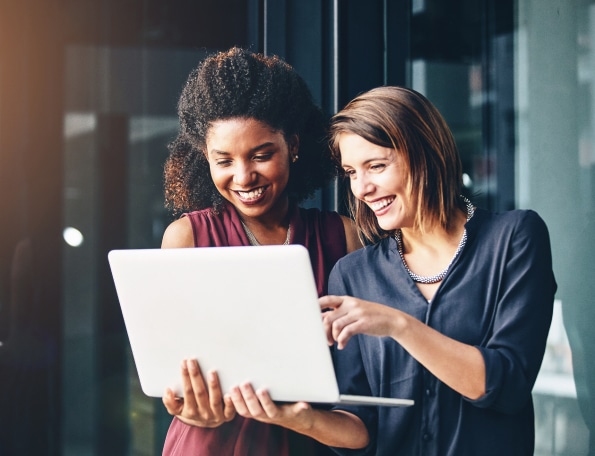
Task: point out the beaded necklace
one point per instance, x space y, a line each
438 277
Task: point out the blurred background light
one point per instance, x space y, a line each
72 236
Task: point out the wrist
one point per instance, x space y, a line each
399 325
305 419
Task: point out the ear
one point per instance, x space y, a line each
293 144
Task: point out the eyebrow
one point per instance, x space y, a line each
365 162
253 150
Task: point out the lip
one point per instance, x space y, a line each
254 200
378 207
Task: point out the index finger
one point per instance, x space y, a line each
330 302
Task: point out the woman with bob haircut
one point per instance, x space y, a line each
448 304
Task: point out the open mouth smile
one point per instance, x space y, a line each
252 195
379 205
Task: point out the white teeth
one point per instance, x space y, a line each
377 205
251 194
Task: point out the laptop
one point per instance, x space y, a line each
250 313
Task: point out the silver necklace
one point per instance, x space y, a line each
252 239
438 277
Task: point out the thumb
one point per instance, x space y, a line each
229 411
173 404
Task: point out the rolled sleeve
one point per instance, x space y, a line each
514 350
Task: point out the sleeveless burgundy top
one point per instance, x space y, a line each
323 234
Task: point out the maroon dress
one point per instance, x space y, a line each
323 234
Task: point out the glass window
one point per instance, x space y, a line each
461 59
116 128
513 80
124 66
553 77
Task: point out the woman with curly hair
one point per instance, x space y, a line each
250 148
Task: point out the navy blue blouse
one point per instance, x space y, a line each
497 296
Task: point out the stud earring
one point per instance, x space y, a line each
295 158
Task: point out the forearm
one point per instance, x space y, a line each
458 365
335 428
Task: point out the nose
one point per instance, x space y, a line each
244 174
361 186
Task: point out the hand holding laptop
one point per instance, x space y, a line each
204 404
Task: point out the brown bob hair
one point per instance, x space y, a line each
405 120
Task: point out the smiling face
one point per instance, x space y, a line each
379 177
249 163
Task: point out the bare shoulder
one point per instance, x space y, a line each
353 241
178 234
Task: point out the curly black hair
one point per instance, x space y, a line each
242 84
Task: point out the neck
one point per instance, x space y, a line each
435 236
272 228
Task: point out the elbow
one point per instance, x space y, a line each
354 435
476 387
361 441
476 394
